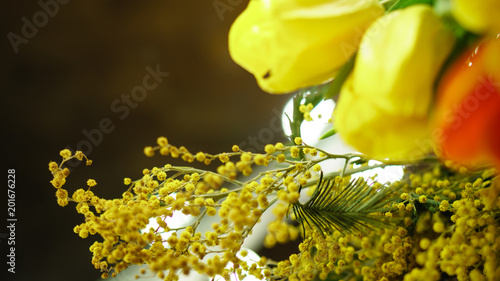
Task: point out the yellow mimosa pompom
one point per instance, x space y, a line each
291 44
384 103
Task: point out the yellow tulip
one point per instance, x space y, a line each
291 44
383 106
480 16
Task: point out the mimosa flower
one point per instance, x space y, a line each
288 45
383 105
477 16
467 114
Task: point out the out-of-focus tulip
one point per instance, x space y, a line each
479 16
383 106
291 44
466 121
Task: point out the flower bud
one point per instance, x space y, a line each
383 105
291 44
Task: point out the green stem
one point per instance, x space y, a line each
367 168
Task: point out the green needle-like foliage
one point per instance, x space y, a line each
356 208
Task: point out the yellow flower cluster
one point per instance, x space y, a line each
456 234
443 222
61 174
306 110
164 190
378 256
461 237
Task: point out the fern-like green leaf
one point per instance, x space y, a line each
356 208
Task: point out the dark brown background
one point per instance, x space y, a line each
65 79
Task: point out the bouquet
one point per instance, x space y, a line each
415 84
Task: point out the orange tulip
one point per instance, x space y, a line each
467 113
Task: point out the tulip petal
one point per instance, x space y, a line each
466 140
378 133
383 106
477 16
467 111
288 45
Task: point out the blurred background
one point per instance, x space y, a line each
66 71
